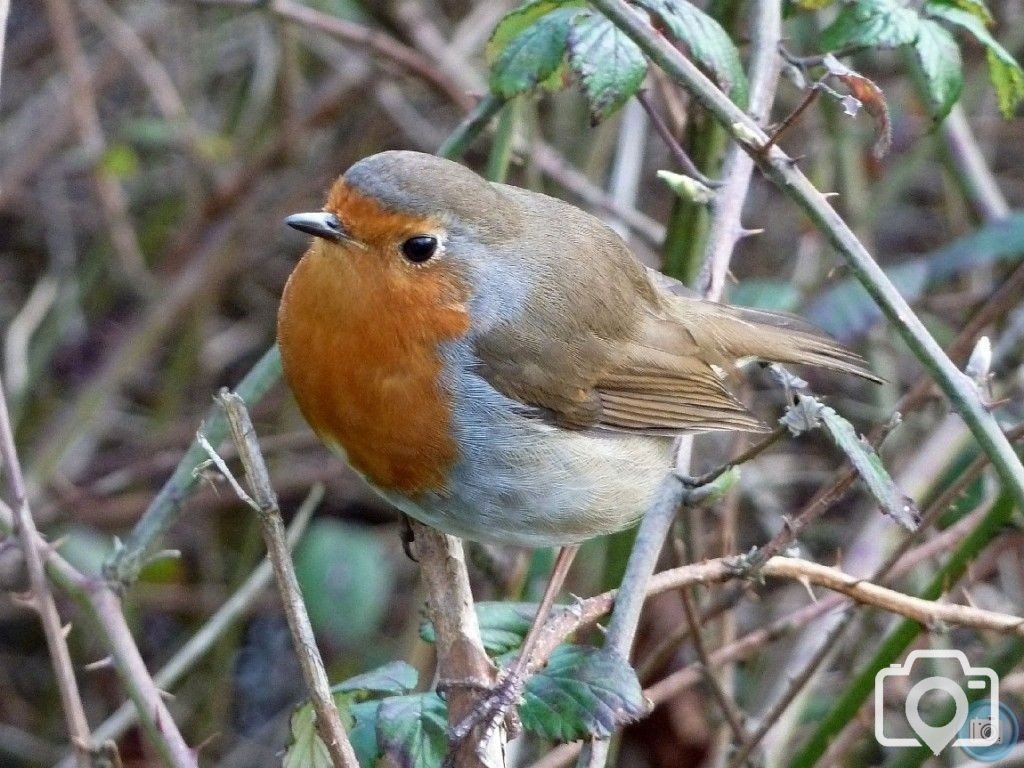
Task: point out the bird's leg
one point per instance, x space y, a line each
509 687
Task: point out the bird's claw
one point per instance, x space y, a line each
496 708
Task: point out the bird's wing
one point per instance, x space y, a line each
662 372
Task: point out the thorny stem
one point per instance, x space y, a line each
42 598
725 228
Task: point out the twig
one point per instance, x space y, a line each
781 169
471 127
207 635
930 515
674 147
42 597
264 502
103 609
729 709
657 522
725 228
5 7
87 121
791 568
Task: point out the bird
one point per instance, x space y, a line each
497 364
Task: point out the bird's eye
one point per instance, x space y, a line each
420 248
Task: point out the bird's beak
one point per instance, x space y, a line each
319 224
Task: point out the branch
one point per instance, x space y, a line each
782 170
264 501
42 598
103 608
725 228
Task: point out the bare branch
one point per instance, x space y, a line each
328 723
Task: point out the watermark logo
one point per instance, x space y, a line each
986 729
991 722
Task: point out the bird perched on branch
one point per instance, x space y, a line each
497 364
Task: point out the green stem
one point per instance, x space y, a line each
465 133
782 170
501 147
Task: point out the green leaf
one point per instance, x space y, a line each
939 56
363 734
518 19
503 626
1008 79
610 66
708 43
305 749
871 24
413 730
344 587
534 55
582 692
1003 70
120 160
868 464
396 677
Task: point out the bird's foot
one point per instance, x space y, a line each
495 709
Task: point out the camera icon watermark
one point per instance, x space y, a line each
985 730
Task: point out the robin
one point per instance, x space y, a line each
497 364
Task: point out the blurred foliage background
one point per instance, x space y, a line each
149 151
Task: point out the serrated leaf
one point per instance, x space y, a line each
412 731
1003 70
395 677
939 56
609 65
305 748
533 55
707 42
517 20
503 626
582 692
868 464
871 24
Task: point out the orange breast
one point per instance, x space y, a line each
359 333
